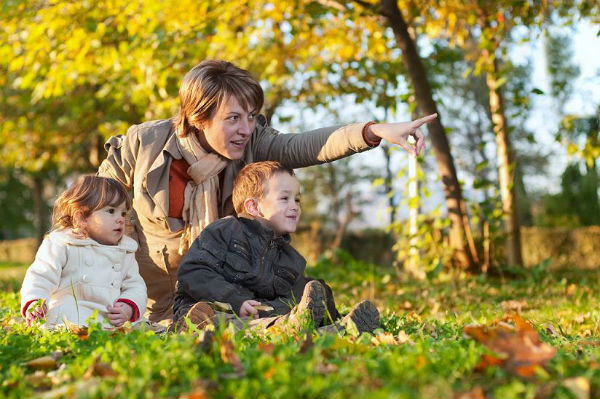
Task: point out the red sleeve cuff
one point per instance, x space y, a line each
26 306
370 143
136 311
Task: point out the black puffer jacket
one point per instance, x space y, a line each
236 259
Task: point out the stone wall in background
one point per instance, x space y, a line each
566 247
18 251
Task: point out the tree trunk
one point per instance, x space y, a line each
506 170
38 204
343 225
389 181
461 238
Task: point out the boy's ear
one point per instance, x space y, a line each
251 207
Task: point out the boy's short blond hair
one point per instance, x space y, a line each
252 180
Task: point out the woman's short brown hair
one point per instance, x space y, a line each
207 85
88 194
252 180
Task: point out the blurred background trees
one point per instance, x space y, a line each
74 73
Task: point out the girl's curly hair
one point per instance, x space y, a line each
88 194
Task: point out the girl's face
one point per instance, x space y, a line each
229 130
106 225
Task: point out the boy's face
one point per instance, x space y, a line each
279 208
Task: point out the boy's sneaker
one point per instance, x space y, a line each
312 302
365 317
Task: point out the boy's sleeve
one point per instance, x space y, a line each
43 276
122 155
199 273
133 290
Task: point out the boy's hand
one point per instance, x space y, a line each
119 313
247 308
35 311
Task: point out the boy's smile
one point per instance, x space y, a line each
280 206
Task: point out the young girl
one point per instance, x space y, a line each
86 264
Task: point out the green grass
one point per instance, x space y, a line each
432 360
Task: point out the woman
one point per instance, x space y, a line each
181 170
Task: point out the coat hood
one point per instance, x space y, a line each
126 244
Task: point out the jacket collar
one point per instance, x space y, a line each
264 231
126 244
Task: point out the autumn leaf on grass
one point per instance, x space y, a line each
99 369
513 305
49 362
518 347
307 344
386 338
579 387
39 380
201 389
76 389
81 331
228 355
475 393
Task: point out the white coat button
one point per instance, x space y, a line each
84 278
116 267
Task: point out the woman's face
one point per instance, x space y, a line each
229 130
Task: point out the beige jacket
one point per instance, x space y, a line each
141 160
97 274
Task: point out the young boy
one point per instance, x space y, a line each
248 262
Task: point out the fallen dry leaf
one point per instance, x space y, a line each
81 331
581 318
325 368
513 305
39 379
70 390
99 369
518 348
579 386
228 355
49 362
386 338
475 393
122 329
221 307
200 390
571 290
266 347
263 308
550 330
307 344
414 316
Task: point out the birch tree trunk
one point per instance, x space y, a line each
461 238
506 169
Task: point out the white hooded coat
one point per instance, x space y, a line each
77 277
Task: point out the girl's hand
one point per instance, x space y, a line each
247 308
119 313
399 132
35 311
